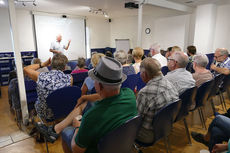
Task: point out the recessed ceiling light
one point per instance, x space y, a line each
2 2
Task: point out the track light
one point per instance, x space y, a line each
23 4
34 4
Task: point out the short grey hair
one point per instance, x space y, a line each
156 47
111 87
59 62
121 56
36 61
223 51
181 58
201 60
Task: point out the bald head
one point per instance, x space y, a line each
59 38
221 54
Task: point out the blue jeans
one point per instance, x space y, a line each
219 130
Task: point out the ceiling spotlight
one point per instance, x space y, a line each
106 16
23 4
34 4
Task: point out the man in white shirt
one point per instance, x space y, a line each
155 52
57 47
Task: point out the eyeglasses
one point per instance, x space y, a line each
171 59
217 56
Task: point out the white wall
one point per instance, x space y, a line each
166 31
99 29
5 37
222 31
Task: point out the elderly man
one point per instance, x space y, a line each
155 52
201 74
157 93
57 47
223 66
178 75
115 108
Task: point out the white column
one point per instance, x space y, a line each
139 31
18 61
205 28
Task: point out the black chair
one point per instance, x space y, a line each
188 98
79 78
130 82
31 93
72 64
215 90
164 70
67 71
121 139
140 83
202 97
222 88
62 102
162 123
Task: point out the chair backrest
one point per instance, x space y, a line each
72 64
140 83
31 92
62 101
226 83
163 120
130 82
203 92
164 70
79 78
188 98
121 139
67 71
216 85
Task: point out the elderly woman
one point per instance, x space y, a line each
80 66
122 57
47 82
201 74
137 53
38 61
88 84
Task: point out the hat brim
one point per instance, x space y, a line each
91 74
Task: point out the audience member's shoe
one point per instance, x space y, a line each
47 132
199 138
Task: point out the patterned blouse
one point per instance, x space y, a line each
48 82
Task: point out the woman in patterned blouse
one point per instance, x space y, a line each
47 82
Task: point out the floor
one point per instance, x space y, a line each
12 140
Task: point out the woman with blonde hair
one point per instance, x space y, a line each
137 53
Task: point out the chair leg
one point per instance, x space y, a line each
167 144
221 101
47 149
137 148
222 95
202 114
187 131
213 106
202 118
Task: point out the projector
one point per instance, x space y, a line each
131 5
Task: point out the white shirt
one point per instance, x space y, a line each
161 59
137 67
57 46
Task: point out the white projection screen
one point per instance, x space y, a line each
47 27
122 44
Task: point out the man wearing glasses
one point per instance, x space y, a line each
221 57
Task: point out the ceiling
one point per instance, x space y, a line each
114 8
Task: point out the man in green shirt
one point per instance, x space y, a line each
116 107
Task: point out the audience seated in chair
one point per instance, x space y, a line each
157 93
178 75
80 66
137 56
201 74
115 108
191 52
88 84
173 49
155 52
122 57
218 132
222 60
47 82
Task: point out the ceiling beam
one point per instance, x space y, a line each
168 4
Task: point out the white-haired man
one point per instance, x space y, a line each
221 57
155 52
157 93
57 47
178 75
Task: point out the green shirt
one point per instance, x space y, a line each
105 116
